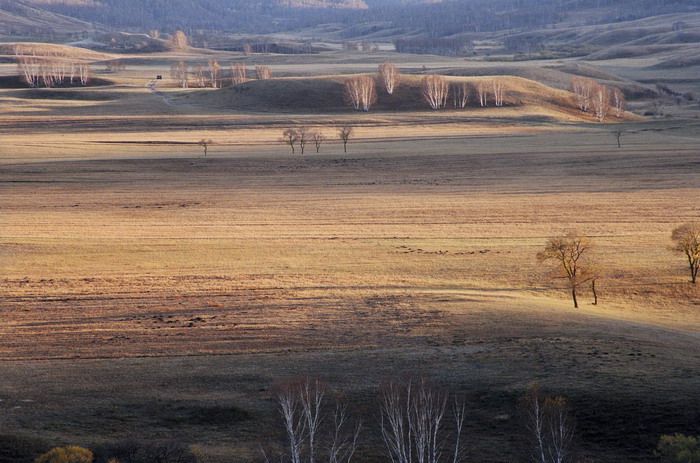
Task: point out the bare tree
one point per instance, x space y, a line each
618 132
304 136
247 49
461 94
583 89
318 138
179 40
687 241
343 442
435 91
204 143
84 73
549 427
360 92
179 73
214 70
311 435
345 132
389 76
294 422
482 92
239 73
572 260
498 91
618 102
600 102
263 72
199 75
290 137
411 425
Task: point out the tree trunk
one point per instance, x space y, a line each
573 294
345 147
595 294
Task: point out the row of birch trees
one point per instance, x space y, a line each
53 72
209 74
417 422
597 99
436 91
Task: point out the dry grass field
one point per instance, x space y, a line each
149 290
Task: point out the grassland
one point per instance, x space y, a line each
149 290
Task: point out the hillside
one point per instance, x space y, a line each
326 95
21 19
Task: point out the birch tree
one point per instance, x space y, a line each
214 71
263 72
498 90
583 88
618 102
549 427
179 72
482 92
199 75
412 422
600 102
461 94
318 138
239 73
389 77
360 92
435 91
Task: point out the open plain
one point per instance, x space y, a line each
147 290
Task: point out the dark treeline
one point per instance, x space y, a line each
419 17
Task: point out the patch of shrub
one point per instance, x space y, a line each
139 451
678 448
69 454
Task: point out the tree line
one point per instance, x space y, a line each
209 74
416 421
361 91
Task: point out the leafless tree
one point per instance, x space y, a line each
345 132
687 241
618 132
304 136
115 65
618 102
179 40
239 73
435 91
263 72
247 49
204 143
179 73
214 71
199 75
343 442
461 94
30 69
318 138
290 137
571 255
498 91
412 413
389 76
549 427
311 434
583 89
600 102
482 92
360 92
293 417
84 73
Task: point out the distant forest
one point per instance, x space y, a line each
411 17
